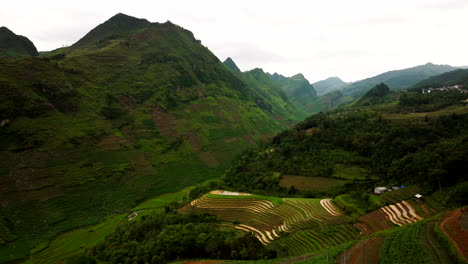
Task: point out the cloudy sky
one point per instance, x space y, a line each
350 39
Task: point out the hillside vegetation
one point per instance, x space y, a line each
134 109
12 45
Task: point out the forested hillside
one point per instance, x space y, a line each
132 110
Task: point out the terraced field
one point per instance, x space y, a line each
269 218
316 239
401 213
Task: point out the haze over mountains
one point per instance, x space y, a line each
136 109
329 85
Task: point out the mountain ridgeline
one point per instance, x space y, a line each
296 89
348 93
12 45
329 85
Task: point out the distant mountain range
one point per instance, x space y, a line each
398 79
328 85
12 45
450 78
295 89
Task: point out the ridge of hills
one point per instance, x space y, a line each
12 45
397 79
297 88
126 113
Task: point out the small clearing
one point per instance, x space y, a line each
164 121
209 159
304 183
220 192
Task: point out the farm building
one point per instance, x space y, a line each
380 190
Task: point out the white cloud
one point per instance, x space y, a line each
349 39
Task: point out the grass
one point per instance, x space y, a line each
350 172
403 244
77 241
423 115
303 183
349 205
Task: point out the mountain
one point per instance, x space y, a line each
397 79
269 94
132 110
114 27
297 88
450 78
328 85
12 45
376 95
231 65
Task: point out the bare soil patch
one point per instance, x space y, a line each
229 140
164 121
112 142
203 262
250 140
194 141
369 253
266 137
200 92
195 107
310 183
373 222
209 159
452 228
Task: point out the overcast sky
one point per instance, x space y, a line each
352 39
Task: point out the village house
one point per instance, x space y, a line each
457 87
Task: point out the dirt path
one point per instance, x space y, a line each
452 228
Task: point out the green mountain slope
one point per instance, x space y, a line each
231 65
113 28
91 130
12 45
268 94
297 88
397 79
328 85
450 78
376 95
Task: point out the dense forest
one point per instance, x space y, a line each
431 151
168 236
